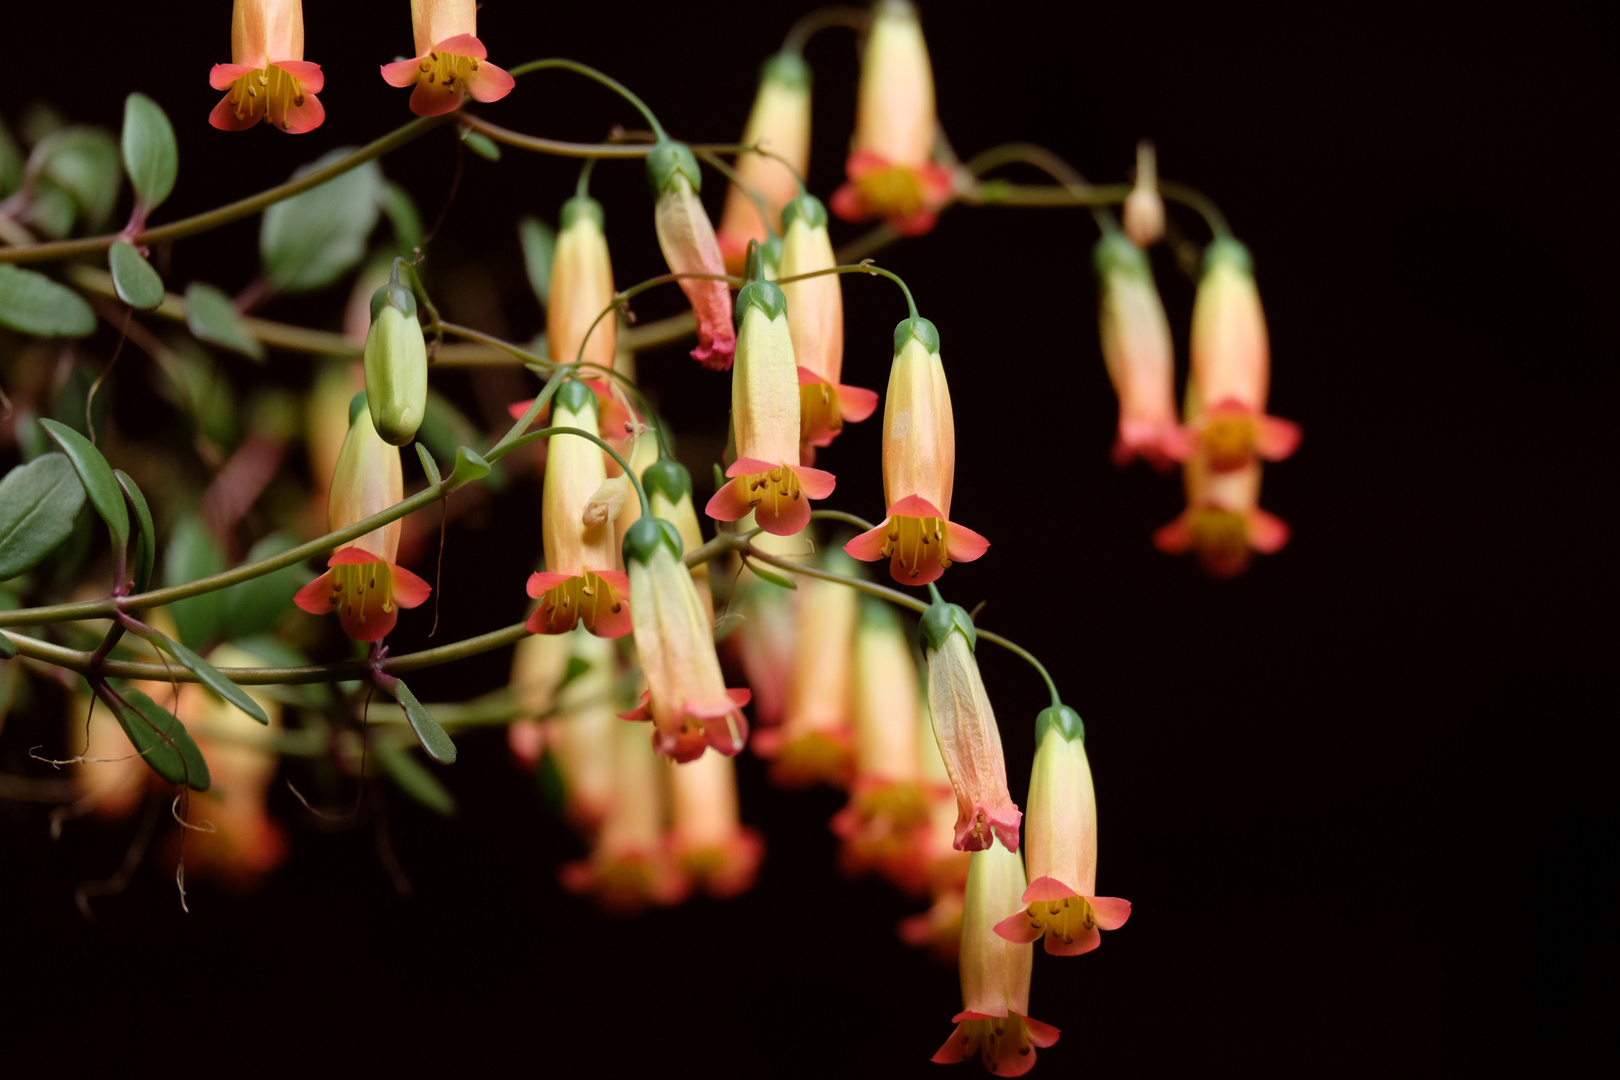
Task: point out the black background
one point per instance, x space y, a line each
1360 797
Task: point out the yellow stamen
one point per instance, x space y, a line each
916 539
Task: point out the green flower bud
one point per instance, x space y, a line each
1064 719
396 365
941 620
668 478
669 159
641 540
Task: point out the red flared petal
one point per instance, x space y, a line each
1268 533
429 99
642 711
923 221
1111 911
220 76
605 622
1045 888
914 506
316 597
1042 1035
543 582
1276 438
224 117
730 503
1175 538
489 83
306 117
1016 927
409 590
847 203
402 73
304 71
954 1050
935 181
856 403
868 547
962 544
817 483
463 45
352 556
782 517
1083 942
745 466
739 695
864 162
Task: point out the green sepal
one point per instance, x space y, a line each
1115 254
806 207
770 254
356 404
1230 251
641 540
393 295
759 292
918 328
1065 719
669 478
574 396
669 159
942 619
582 204
787 68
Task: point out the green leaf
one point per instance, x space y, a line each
52 210
770 576
539 249
577 666
145 535
402 215
470 466
257 604
311 240
429 466
212 317
445 427
481 144
434 740
210 676
415 780
8 648
38 503
83 161
192 554
98 480
151 157
36 305
163 741
137 284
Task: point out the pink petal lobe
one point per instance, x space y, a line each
864 162
1268 533
914 506
409 590
220 76
643 711
1045 888
847 203
316 597
1175 538
463 45
953 1051
490 83
928 570
923 221
739 696
730 503
1084 942
782 517
430 100
224 117
402 73
1042 1035
306 117
542 582
746 466
856 403
1016 927
1111 911
304 71
1277 438
962 544
352 556
868 547
817 483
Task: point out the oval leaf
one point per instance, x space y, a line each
414 780
98 480
137 284
145 535
482 145
38 503
82 161
36 305
151 157
429 466
312 239
257 604
212 317
163 741
210 676
434 740
192 554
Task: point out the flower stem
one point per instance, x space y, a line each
826 18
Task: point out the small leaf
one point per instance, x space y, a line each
36 305
98 480
539 249
8 648
255 605
402 215
192 554
415 780
770 576
84 162
577 666
481 144
429 466
163 741
470 466
434 740
212 317
312 239
137 284
38 503
145 535
210 676
151 157
445 427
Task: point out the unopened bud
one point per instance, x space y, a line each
396 365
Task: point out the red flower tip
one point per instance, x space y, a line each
1005 1044
366 592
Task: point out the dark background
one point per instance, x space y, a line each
1360 796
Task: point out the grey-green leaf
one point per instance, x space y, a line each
402 215
434 740
482 145
98 480
151 157
163 741
138 285
312 239
470 466
84 162
257 604
415 780
145 535
212 317
210 676
192 554
539 249
38 502
36 305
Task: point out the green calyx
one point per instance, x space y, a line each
396 296
941 620
668 478
770 253
667 160
787 69
1064 719
582 205
642 540
574 396
919 328
807 208
1115 254
357 405
1228 252
760 293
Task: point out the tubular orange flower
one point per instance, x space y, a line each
767 477
815 310
1060 846
1136 347
1231 363
669 489
450 61
686 237
780 123
686 698
364 585
1144 208
814 742
581 288
919 467
891 169
707 841
965 726
994 1021
268 75
580 582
